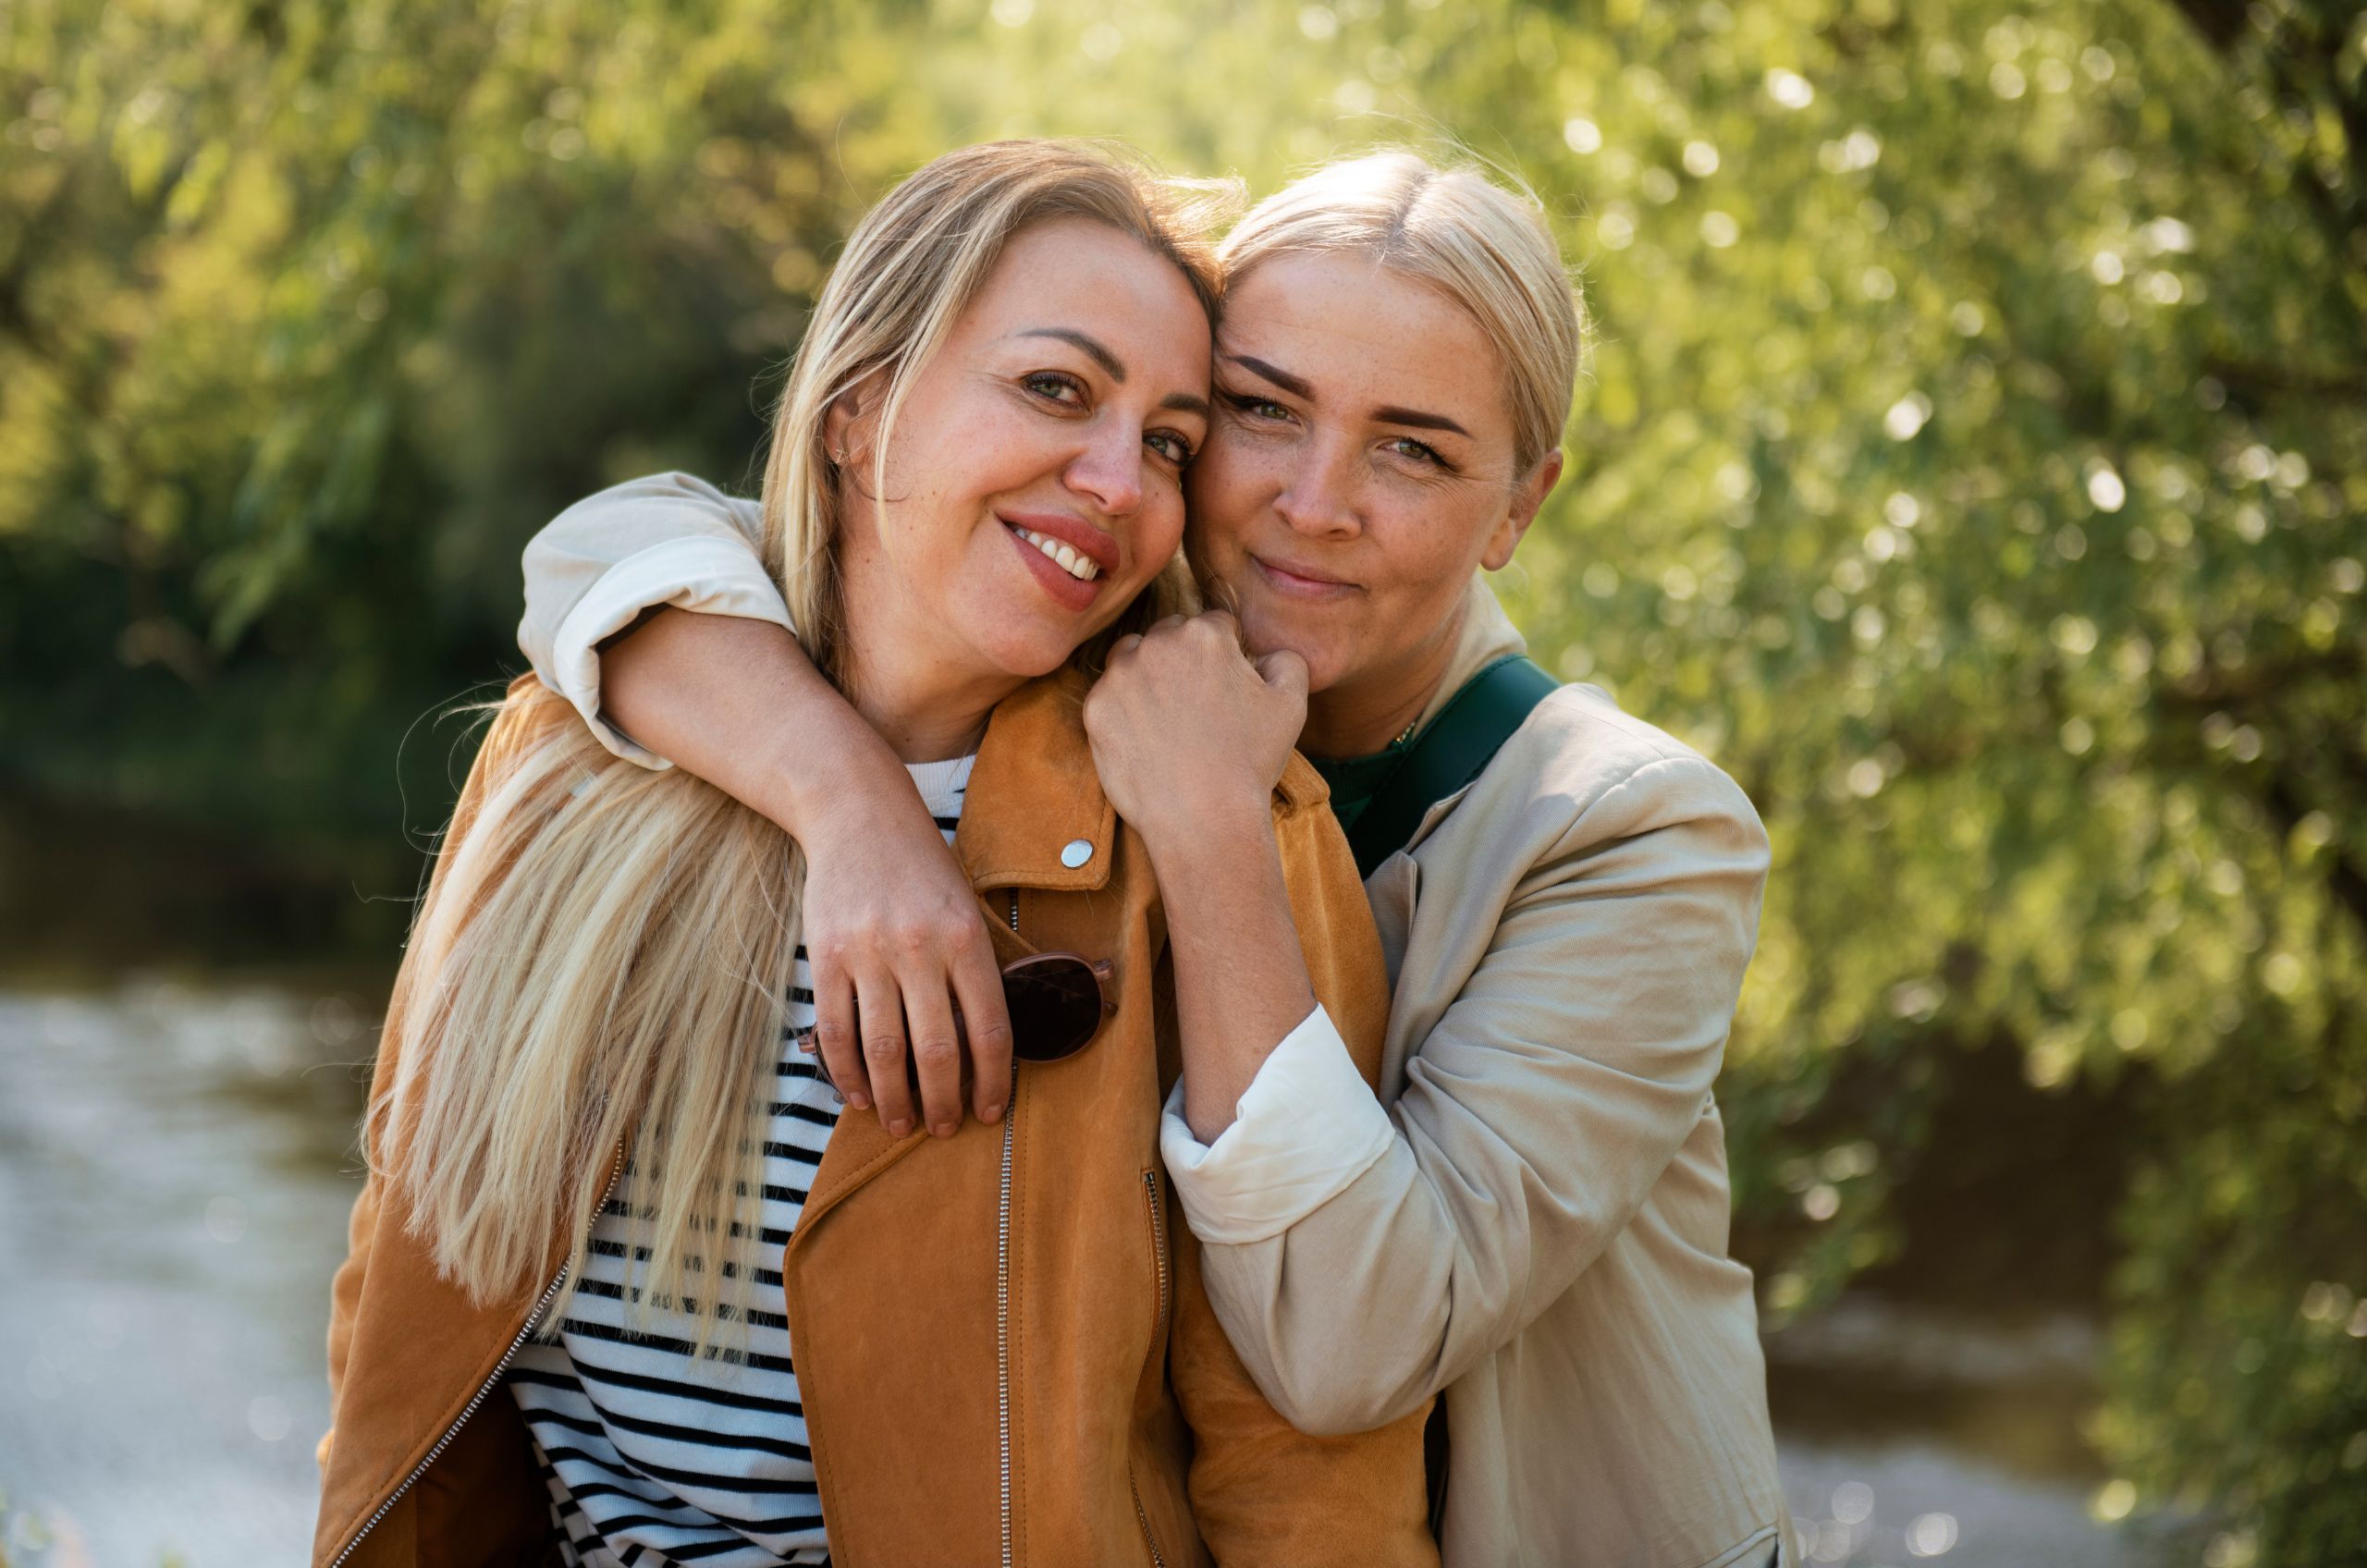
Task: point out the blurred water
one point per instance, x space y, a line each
172 1196
176 1163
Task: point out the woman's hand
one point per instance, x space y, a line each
1188 735
1190 739
895 936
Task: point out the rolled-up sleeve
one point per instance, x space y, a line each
1537 1116
1306 1126
670 539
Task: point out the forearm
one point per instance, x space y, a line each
737 703
1240 981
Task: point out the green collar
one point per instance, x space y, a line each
1380 799
1355 781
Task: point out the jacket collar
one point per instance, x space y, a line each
1035 802
1488 635
1034 794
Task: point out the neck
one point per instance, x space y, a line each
921 723
926 703
1363 713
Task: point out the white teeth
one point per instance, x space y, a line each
1083 568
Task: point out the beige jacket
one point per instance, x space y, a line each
1545 1238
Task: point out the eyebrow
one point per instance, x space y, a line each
1418 420
1280 377
1299 387
1092 347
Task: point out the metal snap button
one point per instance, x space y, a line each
1078 851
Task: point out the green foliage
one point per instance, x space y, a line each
1974 460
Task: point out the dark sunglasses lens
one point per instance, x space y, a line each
1055 1008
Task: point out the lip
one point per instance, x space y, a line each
1300 583
1077 534
1071 594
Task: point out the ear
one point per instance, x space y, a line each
1528 497
848 422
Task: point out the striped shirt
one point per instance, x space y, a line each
654 1455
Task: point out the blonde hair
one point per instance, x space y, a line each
1451 226
604 950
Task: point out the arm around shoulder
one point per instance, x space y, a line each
592 571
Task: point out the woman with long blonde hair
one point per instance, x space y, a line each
629 1282
1535 1228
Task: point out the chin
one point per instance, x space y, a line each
1028 657
1266 633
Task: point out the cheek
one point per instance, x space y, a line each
1224 500
1428 551
1156 532
924 489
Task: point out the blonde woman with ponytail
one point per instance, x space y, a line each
1534 1227
628 1283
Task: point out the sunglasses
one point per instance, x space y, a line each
1056 1002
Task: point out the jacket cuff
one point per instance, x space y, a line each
1307 1127
706 576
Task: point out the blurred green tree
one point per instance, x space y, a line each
1974 460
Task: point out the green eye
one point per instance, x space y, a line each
1255 407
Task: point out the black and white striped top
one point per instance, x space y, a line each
654 1455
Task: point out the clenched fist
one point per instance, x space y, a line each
1188 735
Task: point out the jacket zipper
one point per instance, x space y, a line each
1158 1241
1158 1258
1003 1311
1144 1520
1003 1322
550 1293
1002 1292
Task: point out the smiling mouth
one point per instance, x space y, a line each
1083 568
1297 585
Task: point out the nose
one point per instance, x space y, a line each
1317 501
1110 468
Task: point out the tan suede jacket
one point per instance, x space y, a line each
1004 1346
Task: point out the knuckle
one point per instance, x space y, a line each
936 1049
883 1045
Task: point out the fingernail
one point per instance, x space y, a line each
899 1127
944 1129
858 1099
993 1113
